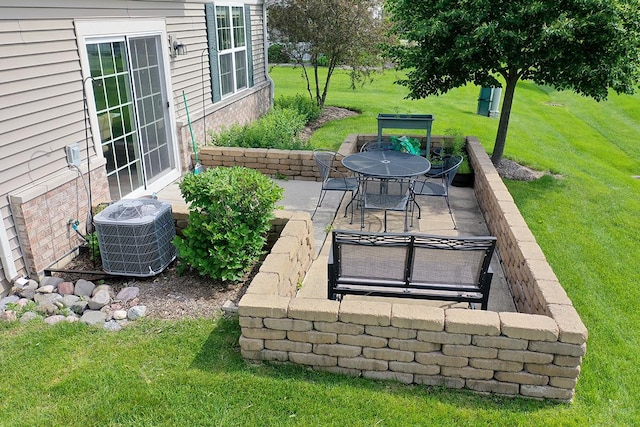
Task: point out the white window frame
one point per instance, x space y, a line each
233 50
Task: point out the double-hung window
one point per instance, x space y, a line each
229 38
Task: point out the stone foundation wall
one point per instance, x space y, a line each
535 353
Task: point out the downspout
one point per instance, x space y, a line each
8 263
266 52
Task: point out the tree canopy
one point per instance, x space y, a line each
588 46
328 33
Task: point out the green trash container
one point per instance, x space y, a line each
484 101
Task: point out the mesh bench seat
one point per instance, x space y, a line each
411 266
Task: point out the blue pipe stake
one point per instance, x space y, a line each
197 168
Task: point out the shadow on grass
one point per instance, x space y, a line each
220 354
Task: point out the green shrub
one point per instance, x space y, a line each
277 129
277 55
323 61
229 217
302 104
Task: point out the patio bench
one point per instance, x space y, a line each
410 266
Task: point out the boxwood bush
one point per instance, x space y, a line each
229 218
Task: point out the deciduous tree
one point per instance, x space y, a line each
328 33
588 46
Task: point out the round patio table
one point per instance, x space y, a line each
387 164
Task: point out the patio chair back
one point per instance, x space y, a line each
333 179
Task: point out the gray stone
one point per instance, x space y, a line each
65 288
93 317
8 316
71 319
27 293
99 300
120 314
46 289
112 325
79 307
84 288
47 298
136 312
52 320
6 300
107 288
31 284
50 281
68 300
128 293
29 316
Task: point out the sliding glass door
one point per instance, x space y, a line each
132 110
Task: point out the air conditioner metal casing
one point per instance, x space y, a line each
135 237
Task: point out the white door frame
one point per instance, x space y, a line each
103 30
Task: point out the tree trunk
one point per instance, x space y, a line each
503 125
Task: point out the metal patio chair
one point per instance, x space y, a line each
386 194
333 179
437 185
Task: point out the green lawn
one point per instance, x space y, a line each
190 373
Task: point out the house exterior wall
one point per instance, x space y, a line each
42 112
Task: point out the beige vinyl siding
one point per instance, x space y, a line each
40 108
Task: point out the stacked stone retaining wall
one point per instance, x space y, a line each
534 353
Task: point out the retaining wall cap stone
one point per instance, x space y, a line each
528 326
314 309
475 322
260 305
365 313
572 329
415 316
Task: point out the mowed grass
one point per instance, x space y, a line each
190 373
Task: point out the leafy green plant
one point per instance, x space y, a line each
19 309
94 246
229 217
277 129
302 104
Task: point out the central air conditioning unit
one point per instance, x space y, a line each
135 237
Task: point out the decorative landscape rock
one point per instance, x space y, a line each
6 300
84 288
136 312
55 300
65 288
99 299
128 293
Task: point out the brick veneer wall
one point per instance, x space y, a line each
42 215
535 353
